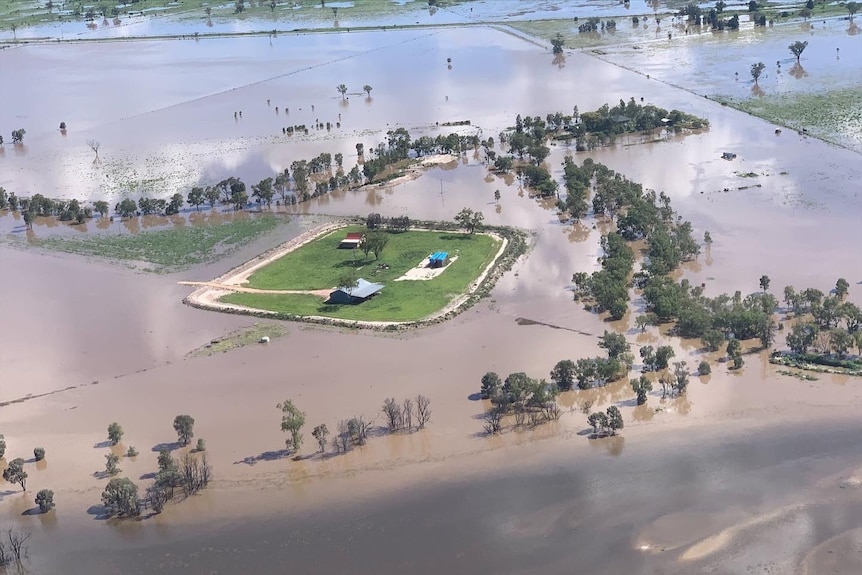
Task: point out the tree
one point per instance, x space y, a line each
18 136
703 368
320 433
374 242
497 196
469 220
641 386
558 42
801 337
94 145
263 191
681 375
491 385
423 411
348 280
2 446
752 6
111 461
39 453
662 356
797 48
764 283
15 473
29 215
127 208
367 89
45 500
101 206
174 205
734 348
131 451
239 6
196 197
115 433
707 238
757 70
563 374
598 420
342 89
120 497
615 419
211 194
292 420
184 425
841 287
840 341
852 8
614 343
738 362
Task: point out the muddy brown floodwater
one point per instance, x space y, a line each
744 449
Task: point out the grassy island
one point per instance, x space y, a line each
319 265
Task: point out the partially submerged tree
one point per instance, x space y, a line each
14 473
111 461
641 386
342 89
45 500
757 70
39 453
367 89
797 48
320 433
292 420
557 43
115 433
120 497
184 426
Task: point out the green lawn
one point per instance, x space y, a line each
168 249
319 264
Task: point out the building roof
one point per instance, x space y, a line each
354 236
362 289
439 256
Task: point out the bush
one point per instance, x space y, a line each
45 500
111 461
201 446
115 433
703 368
2 446
132 452
39 453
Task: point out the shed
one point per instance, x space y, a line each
438 259
351 240
362 291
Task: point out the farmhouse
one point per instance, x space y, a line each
438 259
362 291
351 240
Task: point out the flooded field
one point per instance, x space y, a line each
820 93
106 343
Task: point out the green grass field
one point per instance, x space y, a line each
168 249
319 264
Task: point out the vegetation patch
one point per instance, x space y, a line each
321 265
818 363
834 116
240 338
169 249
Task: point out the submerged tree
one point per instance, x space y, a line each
757 70
184 426
797 48
367 89
558 43
292 420
342 89
15 473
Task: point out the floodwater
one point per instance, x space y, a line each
783 500
289 16
129 331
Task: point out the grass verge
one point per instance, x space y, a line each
169 249
319 264
240 338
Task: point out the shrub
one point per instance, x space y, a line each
2 446
39 453
115 433
45 500
201 446
111 461
132 452
703 368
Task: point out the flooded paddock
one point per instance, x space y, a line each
796 221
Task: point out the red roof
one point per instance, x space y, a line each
354 236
